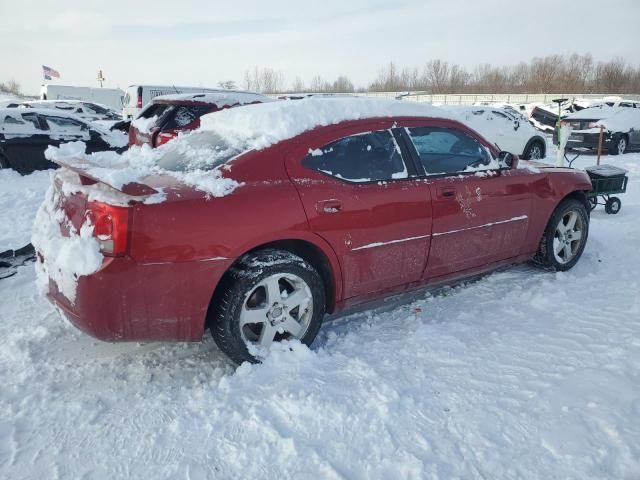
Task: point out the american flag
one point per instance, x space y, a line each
49 73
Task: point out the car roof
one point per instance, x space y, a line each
40 111
224 98
264 124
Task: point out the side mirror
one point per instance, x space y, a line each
508 160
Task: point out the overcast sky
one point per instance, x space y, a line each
201 43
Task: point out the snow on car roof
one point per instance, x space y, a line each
41 111
598 112
219 99
261 125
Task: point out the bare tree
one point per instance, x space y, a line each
342 84
298 85
574 73
613 75
11 86
265 80
436 76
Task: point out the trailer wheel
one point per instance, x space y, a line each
593 203
613 205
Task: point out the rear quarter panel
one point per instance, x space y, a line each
192 226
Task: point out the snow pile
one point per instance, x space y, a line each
196 159
144 125
115 138
226 98
261 125
20 197
624 120
61 258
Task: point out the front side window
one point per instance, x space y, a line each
367 157
446 150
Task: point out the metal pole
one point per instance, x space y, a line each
600 144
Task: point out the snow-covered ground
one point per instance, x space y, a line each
522 374
20 197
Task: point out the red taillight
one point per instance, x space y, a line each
132 135
163 137
139 103
110 227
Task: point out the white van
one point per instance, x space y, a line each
111 97
137 96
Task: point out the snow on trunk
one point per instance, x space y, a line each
63 259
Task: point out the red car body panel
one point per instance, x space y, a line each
377 237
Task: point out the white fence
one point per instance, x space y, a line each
470 99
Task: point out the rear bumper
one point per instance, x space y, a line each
588 140
126 301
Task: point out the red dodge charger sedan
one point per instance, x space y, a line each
327 203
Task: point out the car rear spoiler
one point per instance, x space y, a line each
83 169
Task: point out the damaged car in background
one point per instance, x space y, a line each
168 115
25 134
620 129
545 117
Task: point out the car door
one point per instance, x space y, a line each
24 140
65 129
480 211
361 196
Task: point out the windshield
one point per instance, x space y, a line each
197 151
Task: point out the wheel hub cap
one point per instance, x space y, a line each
275 313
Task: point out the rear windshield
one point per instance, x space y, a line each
95 108
155 110
200 150
185 115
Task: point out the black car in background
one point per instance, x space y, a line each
25 134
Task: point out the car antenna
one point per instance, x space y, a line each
174 87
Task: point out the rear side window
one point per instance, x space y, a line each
13 120
92 107
31 118
366 157
446 150
184 115
25 124
59 123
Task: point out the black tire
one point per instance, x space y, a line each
619 144
613 205
242 279
593 203
4 161
535 151
546 256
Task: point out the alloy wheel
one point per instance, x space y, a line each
280 306
568 237
535 153
622 145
